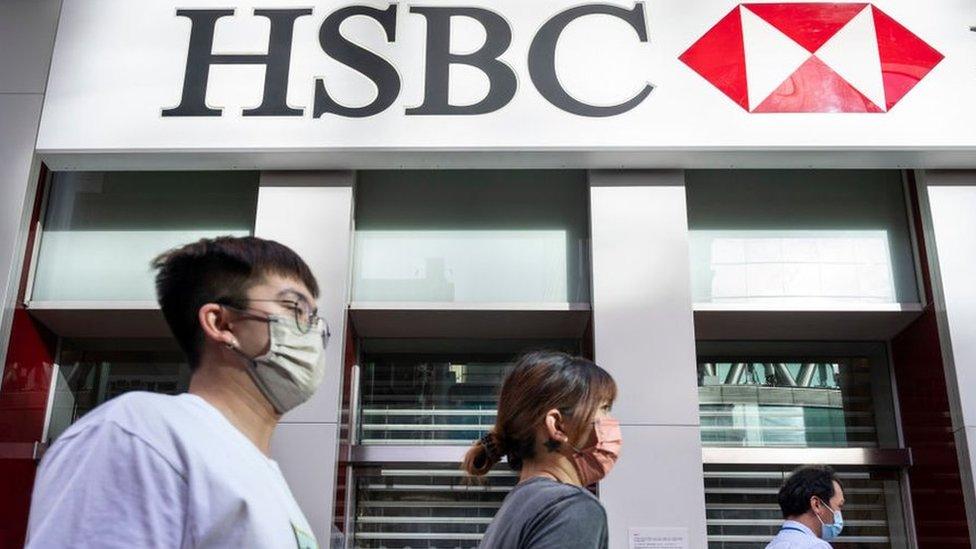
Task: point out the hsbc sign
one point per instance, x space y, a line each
502 82
271 83
796 47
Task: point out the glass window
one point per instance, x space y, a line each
101 229
810 404
799 238
742 510
90 373
471 236
432 398
421 393
426 506
813 401
764 395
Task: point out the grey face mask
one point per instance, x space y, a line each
294 366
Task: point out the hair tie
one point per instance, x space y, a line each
491 449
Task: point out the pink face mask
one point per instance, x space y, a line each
595 462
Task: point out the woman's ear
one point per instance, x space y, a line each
215 325
555 428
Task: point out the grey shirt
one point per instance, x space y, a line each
541 513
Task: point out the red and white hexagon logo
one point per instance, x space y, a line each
811 57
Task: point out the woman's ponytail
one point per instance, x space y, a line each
483 455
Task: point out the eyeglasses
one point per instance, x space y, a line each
305 319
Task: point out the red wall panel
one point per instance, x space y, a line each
936 486
23 405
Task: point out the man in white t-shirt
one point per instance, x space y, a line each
149 470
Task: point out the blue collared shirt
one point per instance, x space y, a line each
794 535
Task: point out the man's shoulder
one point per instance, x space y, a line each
782 541
156 420
134 411
143 401
125 465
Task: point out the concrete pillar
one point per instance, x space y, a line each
948 200
311 212
644 335
27 30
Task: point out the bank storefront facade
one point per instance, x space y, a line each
756 216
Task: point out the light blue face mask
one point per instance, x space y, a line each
831 531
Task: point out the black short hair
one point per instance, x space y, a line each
218 270
803 484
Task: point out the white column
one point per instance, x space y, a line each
644 335
311 212
26 42
949 215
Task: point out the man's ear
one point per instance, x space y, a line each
215 323
555 427
815 505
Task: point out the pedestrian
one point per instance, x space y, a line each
554 427
811 500
192 470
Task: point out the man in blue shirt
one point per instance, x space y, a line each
811 500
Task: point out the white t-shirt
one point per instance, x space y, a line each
149 470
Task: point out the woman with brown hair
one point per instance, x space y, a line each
554 426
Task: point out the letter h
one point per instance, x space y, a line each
200 58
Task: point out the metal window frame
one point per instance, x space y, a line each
878 353
864 457
42 445
51 394
896 527
373 455
403 473
898 459
38 235
915 238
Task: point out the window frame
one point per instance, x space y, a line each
896 458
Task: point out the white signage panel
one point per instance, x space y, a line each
656 82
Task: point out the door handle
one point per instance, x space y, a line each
22 450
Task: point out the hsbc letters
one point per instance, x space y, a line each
503 84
